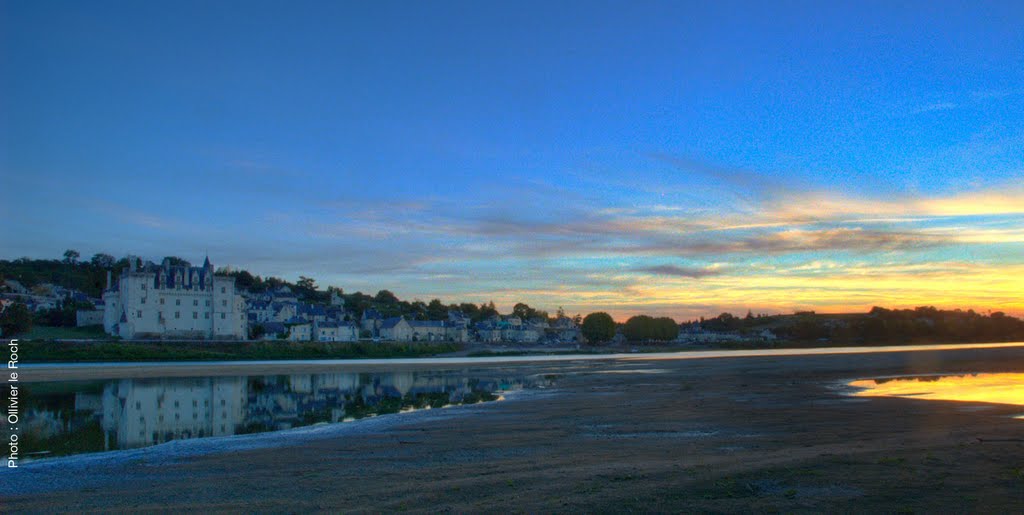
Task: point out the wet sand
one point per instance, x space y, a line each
710 435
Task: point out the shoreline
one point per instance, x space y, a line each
48 372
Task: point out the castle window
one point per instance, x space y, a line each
161 302
177 302
138 314
207 303
222 316
177 314
195 315
206 316
223 303
223 289
195 302
143 300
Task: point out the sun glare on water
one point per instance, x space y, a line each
995 388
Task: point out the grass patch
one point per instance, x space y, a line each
43 332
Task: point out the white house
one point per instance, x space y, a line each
172 301
396 329
336 332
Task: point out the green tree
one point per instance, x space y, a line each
598 327
386 297
523 311
486 311
306 283
177 261
71 256
436 310
102 260
15 319
645 328
257 331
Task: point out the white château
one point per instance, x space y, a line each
173 301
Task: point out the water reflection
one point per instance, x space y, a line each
80 417
1005 388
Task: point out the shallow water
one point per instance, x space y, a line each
77 417
1001 388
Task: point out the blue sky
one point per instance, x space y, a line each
671 158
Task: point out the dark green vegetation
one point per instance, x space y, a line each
644 328
598 327
880 326
90 332
90 278
15 320
51 352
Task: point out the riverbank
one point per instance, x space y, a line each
101 351
150 351
647 433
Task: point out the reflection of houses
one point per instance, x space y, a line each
143 412
139 412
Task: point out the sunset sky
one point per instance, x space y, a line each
669 158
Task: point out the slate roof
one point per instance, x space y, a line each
389 323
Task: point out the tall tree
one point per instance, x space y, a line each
436 310
306 283
102 260
598 327
71 256
386 297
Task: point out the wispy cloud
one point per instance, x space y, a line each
680 271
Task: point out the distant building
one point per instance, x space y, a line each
336 332
299 329
172 301
396 329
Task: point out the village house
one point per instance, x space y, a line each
371 322
299 329
396 329
336 332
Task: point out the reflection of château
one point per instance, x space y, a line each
141 412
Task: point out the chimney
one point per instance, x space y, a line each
108 279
